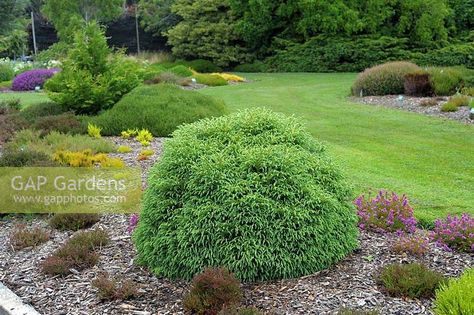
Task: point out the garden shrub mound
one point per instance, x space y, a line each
158 108
384 79
457 296
253 192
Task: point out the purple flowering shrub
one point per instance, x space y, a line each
132 224
386 212
455 233
29 80
413 244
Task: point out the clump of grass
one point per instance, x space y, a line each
73 221
113 289
460 100
409 280
350 311
449 107
212 290
429 102
124 149
23 237
79 253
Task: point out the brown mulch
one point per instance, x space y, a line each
349 283
412 104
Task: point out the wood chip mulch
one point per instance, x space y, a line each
349 283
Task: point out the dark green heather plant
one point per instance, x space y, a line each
253 192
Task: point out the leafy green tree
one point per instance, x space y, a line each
13 36
207 30
157 17
68 15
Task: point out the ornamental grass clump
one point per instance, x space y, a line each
386 212
253 192
455 233
384 79
457 296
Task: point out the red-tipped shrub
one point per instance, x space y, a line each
212 290
418 84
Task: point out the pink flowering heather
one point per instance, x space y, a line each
134 218
29 80
386 212
411 244
455 233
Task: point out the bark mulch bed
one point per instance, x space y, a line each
349 283
412 104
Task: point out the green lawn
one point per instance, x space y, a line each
429 159
27 98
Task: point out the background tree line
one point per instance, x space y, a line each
289 35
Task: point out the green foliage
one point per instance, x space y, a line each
206 31
73 221
233 310
157 17
328 54
91 80
6 72
251 191
113 289
452 55
210 79
23 237
202 66
211 291
170 78
63 123
124 149
349 311
181 71
457 296
144 136
409 280
254 67
446 81
94 131
383 79
24 158
460 100
68 15
31 113
6 85
159 108
449 107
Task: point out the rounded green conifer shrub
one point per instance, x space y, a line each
384 79
253 192
457 296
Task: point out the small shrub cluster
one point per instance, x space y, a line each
170 78
112 289
23 158
386 212
234 310
145 154
66 123
455 102
124 149
411 244
409 280
86 159
349 311
144 137
455 233
210 79
429 102
73 221
202 66
33 112
5 85
181 71
9 105
211 291
23 237
158 108
457 296
446 81
385 79
94 131
255 67
6 72
225 191
29 80
230 77
79 253
418 84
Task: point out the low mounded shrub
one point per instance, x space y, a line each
253 192
384 79
5 85
23 237
64 123
418 84
449 107
452 55
255 67
202 66
349 311
86 159
239 311
409 280
29 80
73 221
181 71
33 112
411 244
24 158
455 233
170 78
460 100
159 108
210 79
446 81
429 102
113 289
211 291
457 296
386 212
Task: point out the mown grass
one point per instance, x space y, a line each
26 98
429 159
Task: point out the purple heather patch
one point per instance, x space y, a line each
29 80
